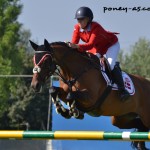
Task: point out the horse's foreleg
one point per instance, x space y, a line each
63 95
74 111
74 99
56 91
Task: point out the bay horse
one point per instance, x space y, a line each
84 89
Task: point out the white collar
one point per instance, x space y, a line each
88 28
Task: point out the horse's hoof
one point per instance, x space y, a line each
80 116
139 145
77 114
70 113
66 114
58 110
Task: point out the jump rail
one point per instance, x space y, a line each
76 135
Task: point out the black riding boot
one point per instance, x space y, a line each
117 75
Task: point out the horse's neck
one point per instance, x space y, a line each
71 62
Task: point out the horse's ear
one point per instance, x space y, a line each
47 45
34 46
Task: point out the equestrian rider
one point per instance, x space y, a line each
98 41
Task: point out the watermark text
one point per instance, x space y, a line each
125 9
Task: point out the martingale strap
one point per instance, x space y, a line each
99 102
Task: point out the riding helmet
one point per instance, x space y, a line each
84 12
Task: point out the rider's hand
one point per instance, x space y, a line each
67 42
73 45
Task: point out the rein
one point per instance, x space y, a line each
71 82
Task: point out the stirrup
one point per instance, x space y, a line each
124 95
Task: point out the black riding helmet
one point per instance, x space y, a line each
84 12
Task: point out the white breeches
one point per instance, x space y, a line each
112 54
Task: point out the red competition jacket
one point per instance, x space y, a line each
96 38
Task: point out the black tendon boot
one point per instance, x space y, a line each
117 75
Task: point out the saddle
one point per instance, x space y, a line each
106 72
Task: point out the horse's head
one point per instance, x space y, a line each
44 65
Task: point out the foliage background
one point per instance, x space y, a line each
20 107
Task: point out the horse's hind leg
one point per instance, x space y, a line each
130 121
140 145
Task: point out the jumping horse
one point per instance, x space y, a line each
84 90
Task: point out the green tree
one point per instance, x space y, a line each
18 104
10 54
138 60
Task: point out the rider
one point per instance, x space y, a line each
98 41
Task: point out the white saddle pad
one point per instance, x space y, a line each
127 81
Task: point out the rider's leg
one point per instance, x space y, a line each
117 75
111 56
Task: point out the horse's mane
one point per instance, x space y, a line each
86 55
66 45
59 43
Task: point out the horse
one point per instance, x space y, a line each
84 90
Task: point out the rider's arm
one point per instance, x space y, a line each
92 41
76 35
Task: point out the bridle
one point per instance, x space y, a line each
37 67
